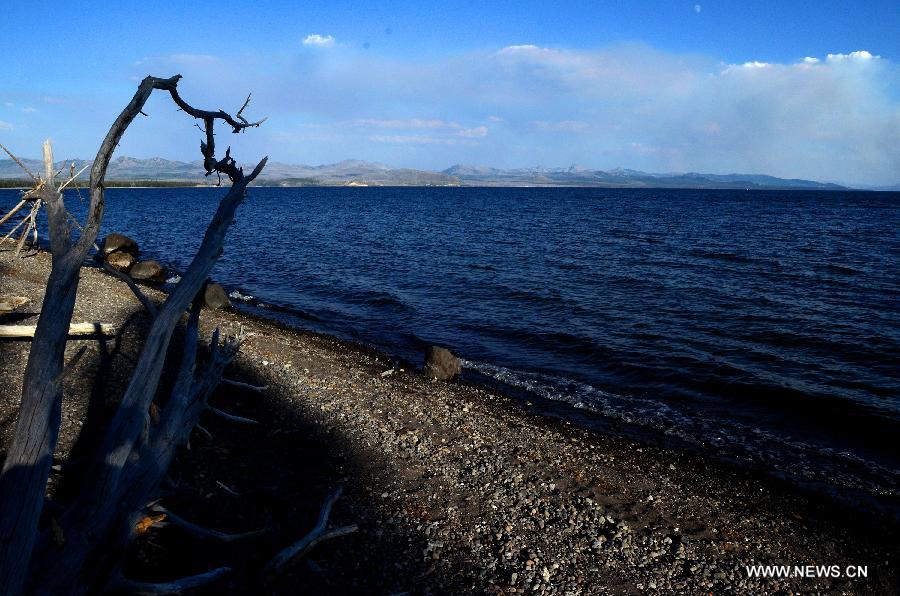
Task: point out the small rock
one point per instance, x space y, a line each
215 297
119 243
121 261
441 364
148 271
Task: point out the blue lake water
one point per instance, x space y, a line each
761 325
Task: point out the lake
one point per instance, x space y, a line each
763 326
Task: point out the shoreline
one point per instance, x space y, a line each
485 483
562 413
122 184
563 416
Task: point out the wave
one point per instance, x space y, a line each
731 257
774 452
842 269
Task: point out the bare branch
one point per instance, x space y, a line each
13 211
201 532
173 587
148 304
242 385
30 222
72 177
226 165
240 112
308 542
21 165
228 489
25 220
256 171
231 417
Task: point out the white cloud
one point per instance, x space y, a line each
420 140
320 41
444 131
410 123
493 118
28 110
697 8
9 104
478 131
521 49
837 118
562 125
810 60
858 56
6 126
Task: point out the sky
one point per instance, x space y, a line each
792 89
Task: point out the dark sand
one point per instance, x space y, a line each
456 488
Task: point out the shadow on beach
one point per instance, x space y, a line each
274 475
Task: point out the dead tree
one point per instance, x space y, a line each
31 202
125 473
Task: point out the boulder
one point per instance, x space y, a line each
148 271
441 364
120 260
121 243
215 297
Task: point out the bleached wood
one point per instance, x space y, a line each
10 304
75 330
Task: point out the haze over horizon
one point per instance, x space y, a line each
656 86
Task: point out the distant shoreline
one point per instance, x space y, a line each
17 184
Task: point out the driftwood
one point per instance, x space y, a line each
135 453
205 533
231 417
242 385
10 304
318 534
75 329
13 211
178 586
33 195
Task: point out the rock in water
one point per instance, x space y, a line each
120 260
440 363
121 243
215 296
148 271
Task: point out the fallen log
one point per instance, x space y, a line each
75 329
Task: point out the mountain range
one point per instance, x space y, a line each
362 173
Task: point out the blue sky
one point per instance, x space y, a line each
798 89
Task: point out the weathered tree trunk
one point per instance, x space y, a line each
27 466
126 471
